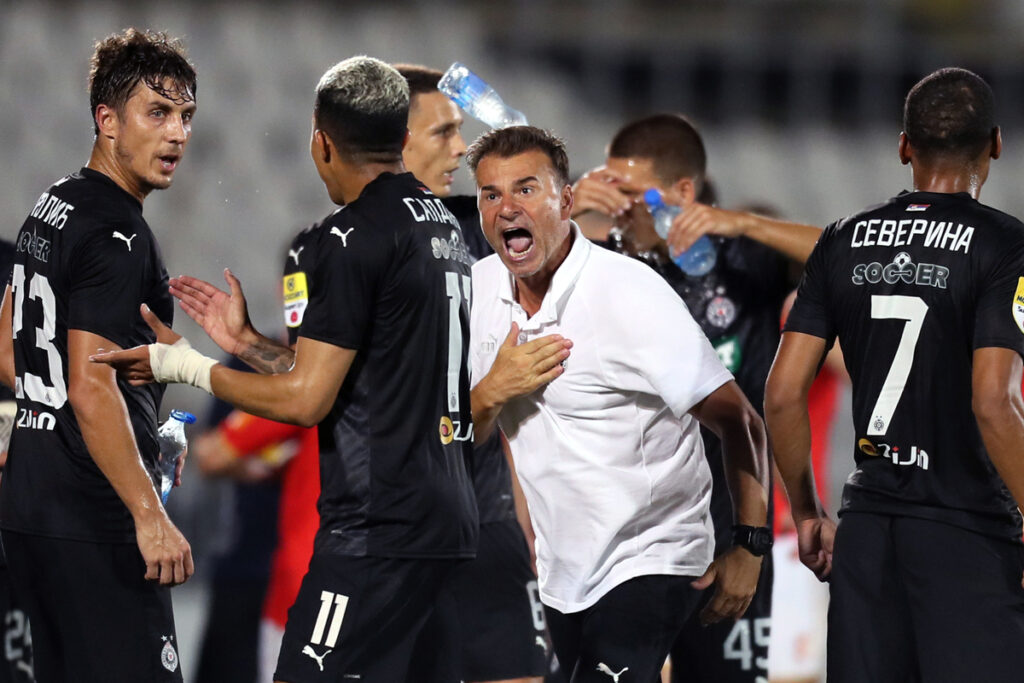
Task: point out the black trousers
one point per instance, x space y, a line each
630 629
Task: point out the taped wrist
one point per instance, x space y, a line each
179 363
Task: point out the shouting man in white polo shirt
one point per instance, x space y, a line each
604 429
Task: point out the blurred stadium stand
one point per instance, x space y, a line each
799 100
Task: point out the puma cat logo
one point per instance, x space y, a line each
603 668
319 659
127 240
342 235
294 253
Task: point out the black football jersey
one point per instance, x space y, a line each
391 280
738 306
911 288
86 260
492 480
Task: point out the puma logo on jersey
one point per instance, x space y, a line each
603 668
294 253
342 235
127 240
319 659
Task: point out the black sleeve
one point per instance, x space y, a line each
351 265
107 283
811 312
999 314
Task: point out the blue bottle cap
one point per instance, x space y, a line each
652 198
182 416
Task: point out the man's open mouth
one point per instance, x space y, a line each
518 242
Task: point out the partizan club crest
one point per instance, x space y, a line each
168 655
721 312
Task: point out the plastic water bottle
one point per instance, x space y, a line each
171 437
478 99
696 261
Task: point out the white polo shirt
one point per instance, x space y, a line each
610 461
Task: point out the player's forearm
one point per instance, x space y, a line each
106 429
1002 430
266 355
789 436
486 407
281 397
6 342
745 460
794 240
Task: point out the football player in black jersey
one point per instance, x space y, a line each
737 305
90 548
16 661
501 622
380 364
925 292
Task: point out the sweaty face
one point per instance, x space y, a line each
524 212
435 142
151 135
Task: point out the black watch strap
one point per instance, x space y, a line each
756 539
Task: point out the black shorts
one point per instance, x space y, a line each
372 620
631 627
727 651
94 617
917 600
500 617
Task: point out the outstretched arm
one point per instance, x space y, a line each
518 369
224 316
794 240
303 395
728 413
789 432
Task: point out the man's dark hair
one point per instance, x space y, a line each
121 61
422 80
362 104
508 142
670 141
950 112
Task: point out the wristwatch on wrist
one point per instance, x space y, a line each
756 539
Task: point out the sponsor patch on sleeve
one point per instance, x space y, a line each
1018 304
296 297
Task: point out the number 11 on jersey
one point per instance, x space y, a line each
455 297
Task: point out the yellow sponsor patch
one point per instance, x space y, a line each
296 297
1018 304
446 430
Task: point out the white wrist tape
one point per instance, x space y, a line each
179 363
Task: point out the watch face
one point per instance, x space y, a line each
761 539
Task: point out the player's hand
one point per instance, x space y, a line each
133 364
167 554
815 537
700 219
598 190
637 226
223 316
734 573
521 369
180 466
